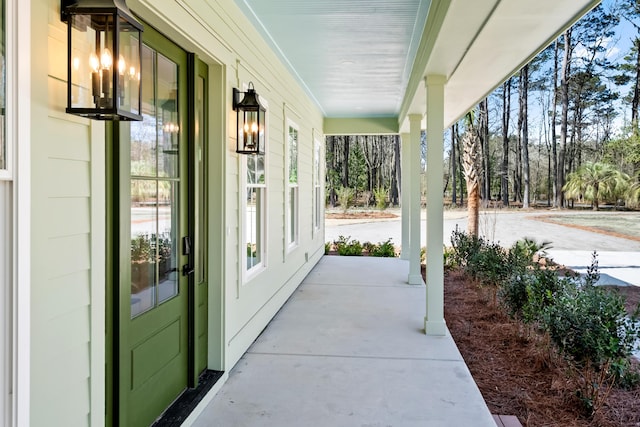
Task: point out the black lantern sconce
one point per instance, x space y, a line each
251 122
104 43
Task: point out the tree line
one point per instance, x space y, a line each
575 105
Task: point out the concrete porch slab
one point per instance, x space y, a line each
348 349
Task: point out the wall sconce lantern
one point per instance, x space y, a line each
251 122
104 45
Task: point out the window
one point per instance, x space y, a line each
317 193
5 152
254 207
292 186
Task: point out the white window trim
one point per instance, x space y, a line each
247 275
291 243
16 227
317 184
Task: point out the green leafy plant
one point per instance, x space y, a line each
368 247
345 197
589 327
527 293
347 247
327 248
384 249
381 195
448 257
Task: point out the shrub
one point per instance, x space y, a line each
448 257
346 246
368 246
527 293
345 197
327 248
489 264
590 329
524 252
464 246
384 249
381 195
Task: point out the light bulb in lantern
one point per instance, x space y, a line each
121 65
132 71
106 59
94 63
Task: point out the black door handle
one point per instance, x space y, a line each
187 270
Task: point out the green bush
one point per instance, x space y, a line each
590 329
464 246
527 293
346 246
345 197
384 249
489 264
368 246
381 195
327 248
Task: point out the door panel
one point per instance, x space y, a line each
154 296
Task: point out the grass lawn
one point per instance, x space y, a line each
620 224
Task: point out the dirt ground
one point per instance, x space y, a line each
513 369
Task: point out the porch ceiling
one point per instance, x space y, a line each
367 58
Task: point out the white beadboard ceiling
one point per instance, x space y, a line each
366 58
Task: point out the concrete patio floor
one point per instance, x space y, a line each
349 349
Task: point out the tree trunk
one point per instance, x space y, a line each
472 163
554 142
394 191
636 89
453 161
345 162
524 89
564 86
483 130
504 173
331 154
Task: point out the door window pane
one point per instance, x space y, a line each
168 240
144 219
155 187
168 123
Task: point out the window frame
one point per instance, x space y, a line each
6 172
292 208
247 274
317 187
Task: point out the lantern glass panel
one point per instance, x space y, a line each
250 130
92 61
128 68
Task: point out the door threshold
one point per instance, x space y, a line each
179 410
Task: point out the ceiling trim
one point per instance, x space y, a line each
360 126
437 13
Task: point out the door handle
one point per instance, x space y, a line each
187 270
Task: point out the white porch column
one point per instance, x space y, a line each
404 195
415 275
434 321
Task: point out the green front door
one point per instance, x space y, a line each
155 248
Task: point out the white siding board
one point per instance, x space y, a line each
71 328
68 178
63 294
67 255
68 216
68 140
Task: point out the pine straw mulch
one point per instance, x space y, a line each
360 215
514 369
